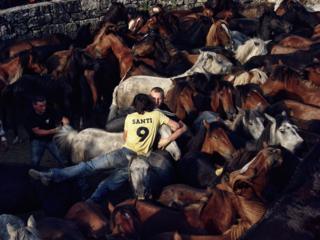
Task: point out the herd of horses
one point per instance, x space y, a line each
247 86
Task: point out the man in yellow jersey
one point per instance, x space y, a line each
139 134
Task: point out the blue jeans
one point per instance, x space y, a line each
37 150
117 159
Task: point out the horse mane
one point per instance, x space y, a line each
196 142
290 77
242 92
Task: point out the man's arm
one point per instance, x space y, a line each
177 128
42 132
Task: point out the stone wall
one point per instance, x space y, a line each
66 16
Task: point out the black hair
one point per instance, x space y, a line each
38 99
142 103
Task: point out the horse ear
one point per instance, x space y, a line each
31 223
270 118
110 207
11 230
267 41
206 124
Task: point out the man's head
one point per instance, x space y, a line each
143 103
39 105
157 94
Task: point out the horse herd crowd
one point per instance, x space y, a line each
247 87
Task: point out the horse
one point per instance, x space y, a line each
148 175
168 61
197 94
255 76
313 73
219 35
55 228
250 96
252 47
286 80
138 218
212 145
92 142
12 69
295 110
90 218
280 131
12 227
297 207
16 48
208 62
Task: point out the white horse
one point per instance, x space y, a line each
92 142
250 48
123 94
255 75
13 228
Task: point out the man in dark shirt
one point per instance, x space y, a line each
42 124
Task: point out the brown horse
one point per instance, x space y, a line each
219 35
19 47
250 97
232 208
90 218
284 79
299 110
108 40
217 140
13 69
313 73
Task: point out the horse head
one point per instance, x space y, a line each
283 132
254 174
140 177
217 140
28 232
219 35
125 221
214 63
253 122
252 47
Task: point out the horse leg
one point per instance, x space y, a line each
3 140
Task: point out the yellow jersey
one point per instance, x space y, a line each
142 129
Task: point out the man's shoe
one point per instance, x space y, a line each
43 177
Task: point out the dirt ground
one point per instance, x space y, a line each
20 153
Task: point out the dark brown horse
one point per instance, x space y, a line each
286 80
13 69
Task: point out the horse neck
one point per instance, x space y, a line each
122 53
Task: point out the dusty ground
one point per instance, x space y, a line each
21 153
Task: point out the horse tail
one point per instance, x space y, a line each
65 138
114 105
